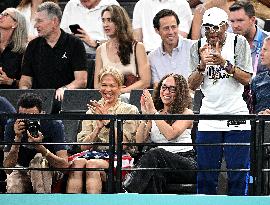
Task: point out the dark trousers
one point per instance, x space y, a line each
210 157
154 181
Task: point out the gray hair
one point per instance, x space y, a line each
267 38
20 34
52 9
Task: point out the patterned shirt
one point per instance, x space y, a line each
129 126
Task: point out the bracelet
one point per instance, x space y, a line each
229 68
64 87
98 43
200 71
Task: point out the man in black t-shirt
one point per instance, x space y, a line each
19 181
55 59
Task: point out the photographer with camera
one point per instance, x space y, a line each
37 155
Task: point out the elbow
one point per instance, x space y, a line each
191 86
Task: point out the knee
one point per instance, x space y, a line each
79 163
93 163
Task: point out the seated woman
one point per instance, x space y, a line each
111 81
13 40
170 97
121 50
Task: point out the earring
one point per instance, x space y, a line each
12 26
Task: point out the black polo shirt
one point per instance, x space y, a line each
11 63
54 67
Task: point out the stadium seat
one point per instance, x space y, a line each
47 95
76 100
135 96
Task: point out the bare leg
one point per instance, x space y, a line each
94 178
75 178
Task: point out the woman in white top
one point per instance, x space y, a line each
121 50
28 8
170 97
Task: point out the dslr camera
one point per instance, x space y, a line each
33 126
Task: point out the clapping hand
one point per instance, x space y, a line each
97 108
4 79
211 55
147 104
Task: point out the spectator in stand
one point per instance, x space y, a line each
29 8
38 155
143 15
196 31
13 40
172 56
171 96
87 14
260 84
55 59
111 82
121 50
221 69
243 21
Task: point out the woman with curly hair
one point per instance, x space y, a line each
121 50
170 97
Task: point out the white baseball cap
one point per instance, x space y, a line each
214 16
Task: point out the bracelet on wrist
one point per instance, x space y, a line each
64 88
200 71
229 68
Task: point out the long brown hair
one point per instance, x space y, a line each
182 99
23 3
123 32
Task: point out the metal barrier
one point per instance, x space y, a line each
257 143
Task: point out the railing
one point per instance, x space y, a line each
257 143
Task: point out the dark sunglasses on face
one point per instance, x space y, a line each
172 89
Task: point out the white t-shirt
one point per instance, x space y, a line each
223 93
145 11
88 19
157 137
26 12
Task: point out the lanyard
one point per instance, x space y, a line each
258 50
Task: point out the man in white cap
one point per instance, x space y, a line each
221 67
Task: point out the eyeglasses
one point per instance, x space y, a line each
172 89
7 14
215 28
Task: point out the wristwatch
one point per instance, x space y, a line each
98 43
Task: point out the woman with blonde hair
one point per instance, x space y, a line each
122 51
13 41
111 81
28 8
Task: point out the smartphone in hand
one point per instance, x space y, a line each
74 28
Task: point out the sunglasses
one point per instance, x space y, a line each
172 89
215 28
7 14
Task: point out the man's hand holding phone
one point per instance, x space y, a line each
82 34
